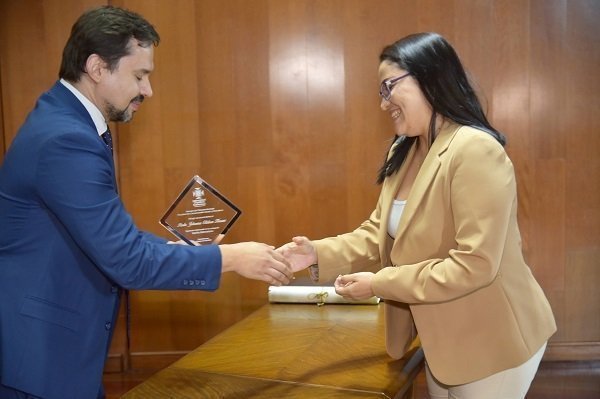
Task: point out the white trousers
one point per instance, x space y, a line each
508 384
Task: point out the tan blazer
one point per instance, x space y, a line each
456 266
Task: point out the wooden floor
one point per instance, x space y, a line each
554 380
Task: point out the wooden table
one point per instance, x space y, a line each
292 351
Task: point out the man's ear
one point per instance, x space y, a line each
95 67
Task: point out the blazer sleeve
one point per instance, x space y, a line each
482 192
359 250
75 181
350 252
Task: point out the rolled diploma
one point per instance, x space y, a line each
312 294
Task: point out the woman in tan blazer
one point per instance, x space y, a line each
442 247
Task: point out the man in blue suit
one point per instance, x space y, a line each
67 245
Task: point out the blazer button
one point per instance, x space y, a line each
185 282
202 282
107 325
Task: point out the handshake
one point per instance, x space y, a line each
277 266
263 262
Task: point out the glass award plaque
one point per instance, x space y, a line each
200 214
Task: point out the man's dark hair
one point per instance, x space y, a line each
105 31
434 64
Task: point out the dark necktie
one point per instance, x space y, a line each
108 140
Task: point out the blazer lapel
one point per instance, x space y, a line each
424 179
388 193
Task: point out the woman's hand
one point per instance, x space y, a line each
355 286
300 253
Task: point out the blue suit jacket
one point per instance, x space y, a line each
67 246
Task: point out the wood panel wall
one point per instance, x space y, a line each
275 103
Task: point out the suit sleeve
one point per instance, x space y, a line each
482 195
152 237
75 182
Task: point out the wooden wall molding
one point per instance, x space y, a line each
572 351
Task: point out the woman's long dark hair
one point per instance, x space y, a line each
430 59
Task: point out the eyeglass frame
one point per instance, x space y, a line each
389 85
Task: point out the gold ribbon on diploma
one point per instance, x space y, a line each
320 297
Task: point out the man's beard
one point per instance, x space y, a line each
125 115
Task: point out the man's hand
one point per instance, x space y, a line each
256 261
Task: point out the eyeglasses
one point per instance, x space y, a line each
385 90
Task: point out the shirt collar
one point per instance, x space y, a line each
94 112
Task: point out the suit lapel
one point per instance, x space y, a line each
69 99
64 95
